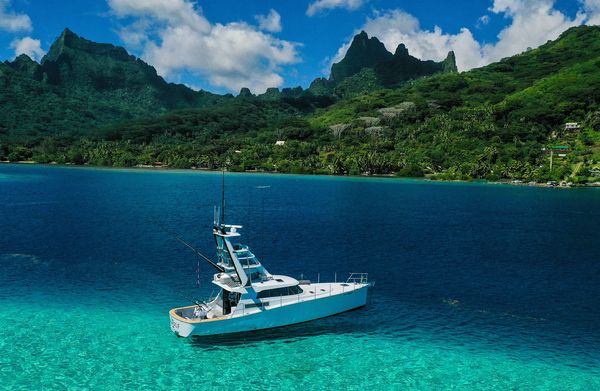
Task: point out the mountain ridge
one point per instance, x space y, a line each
391 68
493 122
366 67
101 82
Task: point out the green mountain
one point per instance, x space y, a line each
368 66
80 85
364 52
495 122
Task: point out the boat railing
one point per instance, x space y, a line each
353 278
358 278
281 301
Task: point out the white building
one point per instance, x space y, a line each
572 126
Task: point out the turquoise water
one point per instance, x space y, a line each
478 286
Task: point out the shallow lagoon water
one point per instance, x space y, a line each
477 286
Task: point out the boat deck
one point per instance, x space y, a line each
316 291
175 315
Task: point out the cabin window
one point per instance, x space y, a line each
287 291
294 290
255 276
250 261
245 256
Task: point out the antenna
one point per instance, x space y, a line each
216 215
223 196
223 190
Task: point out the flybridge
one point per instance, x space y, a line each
228 256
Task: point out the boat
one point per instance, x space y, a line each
250 298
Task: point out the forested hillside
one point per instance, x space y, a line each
80 85
495 122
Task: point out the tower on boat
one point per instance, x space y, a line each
251 298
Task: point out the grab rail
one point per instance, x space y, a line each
358 278
354 278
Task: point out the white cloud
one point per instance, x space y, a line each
15 23
177 12
532 23
322 5
592 9
12 21
396 26
135 35
177 38
270 22
27 45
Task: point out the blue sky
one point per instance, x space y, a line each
222 45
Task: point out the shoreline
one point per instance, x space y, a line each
554 185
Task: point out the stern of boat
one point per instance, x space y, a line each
179 325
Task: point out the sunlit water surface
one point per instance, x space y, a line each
477 286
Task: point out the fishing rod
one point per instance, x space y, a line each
213 264
180 240
190 298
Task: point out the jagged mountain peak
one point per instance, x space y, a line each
245 93
401 50
369 65
68 41
363 39
450 62
364 52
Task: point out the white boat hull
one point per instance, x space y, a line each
307 308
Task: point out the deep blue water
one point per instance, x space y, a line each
478 286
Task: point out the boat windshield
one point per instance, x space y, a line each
246 257
242 252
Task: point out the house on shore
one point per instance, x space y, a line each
572 127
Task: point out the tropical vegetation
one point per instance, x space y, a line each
90 103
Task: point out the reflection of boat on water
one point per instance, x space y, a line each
251 298
288 334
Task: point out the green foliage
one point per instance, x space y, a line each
81 85
490 123
361 83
